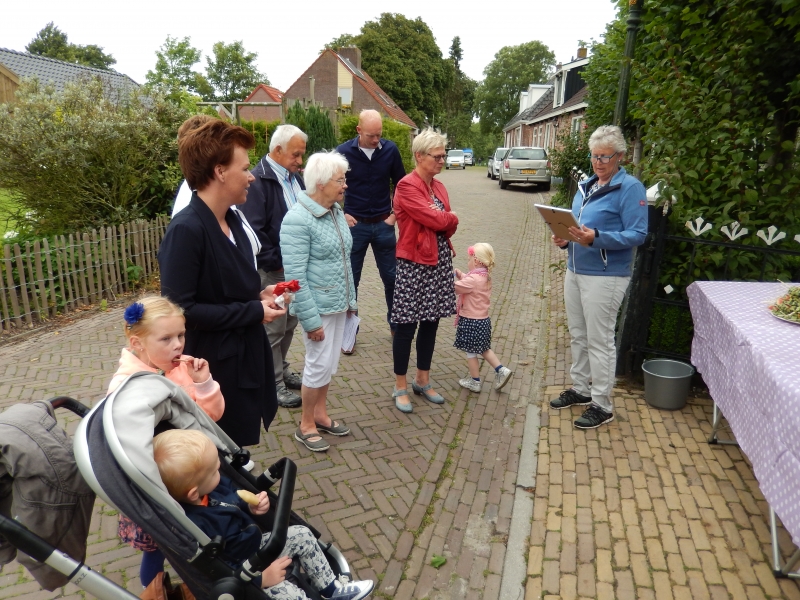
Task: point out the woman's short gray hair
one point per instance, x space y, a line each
283 134
321 168
427 141
607 136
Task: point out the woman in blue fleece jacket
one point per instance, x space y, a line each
611 209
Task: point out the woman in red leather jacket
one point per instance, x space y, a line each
424 289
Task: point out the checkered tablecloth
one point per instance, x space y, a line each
751 363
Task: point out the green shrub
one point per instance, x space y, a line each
671 329
392 130
88 156
571 151
262 131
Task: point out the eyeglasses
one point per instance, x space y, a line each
603 160
341 181
437 157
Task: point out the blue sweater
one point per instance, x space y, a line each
368 192
619 213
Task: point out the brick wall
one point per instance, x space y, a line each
260 113
326 89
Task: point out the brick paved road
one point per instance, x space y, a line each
641 509
401 488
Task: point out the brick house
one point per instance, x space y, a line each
262 93
18 66
545 109
338 81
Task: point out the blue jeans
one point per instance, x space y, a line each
383 240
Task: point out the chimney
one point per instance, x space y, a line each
353 54
582 52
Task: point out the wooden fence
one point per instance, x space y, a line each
61 274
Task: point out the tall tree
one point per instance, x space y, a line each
92 55
173 72
456 53
458 99
232 71
403 58
513 68
50 41
341 41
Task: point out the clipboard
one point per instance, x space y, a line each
558 219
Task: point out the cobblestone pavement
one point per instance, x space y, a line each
642 508
645 507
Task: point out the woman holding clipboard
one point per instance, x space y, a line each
611 211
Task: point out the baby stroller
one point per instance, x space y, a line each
113 450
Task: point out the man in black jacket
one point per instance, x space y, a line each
269 198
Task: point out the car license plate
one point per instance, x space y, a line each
528 171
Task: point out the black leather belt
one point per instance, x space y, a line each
377 219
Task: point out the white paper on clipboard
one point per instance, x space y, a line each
350 329
558 219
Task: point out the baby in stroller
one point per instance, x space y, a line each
189 464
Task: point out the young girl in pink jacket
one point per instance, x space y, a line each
155 328
474 327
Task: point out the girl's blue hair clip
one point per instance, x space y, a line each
134 313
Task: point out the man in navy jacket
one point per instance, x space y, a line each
268 200
375 170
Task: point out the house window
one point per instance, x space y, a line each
346 95
576 125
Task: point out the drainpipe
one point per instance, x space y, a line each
634 20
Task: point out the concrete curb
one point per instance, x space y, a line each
515 567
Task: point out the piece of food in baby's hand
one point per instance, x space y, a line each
248 497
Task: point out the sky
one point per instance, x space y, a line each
289 36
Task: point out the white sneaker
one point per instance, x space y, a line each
502 377
353 590
470 384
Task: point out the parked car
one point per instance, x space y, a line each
455 160
525 164
494 162
468 157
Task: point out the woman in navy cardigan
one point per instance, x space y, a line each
207 267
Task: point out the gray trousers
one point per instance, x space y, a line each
592 303
280 332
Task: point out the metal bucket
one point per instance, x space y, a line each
666 383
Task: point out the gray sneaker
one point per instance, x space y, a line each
502 377
292 380
569 398
287 398
469 383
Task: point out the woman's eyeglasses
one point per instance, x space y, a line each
341 181
437 157
603 160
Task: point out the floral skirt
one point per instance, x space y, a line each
130 533
424 292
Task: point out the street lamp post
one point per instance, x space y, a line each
634 20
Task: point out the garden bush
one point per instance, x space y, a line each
392 130
88 156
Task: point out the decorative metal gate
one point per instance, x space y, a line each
657 319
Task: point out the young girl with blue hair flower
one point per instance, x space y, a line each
155 329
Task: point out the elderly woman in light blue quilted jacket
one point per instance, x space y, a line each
315 245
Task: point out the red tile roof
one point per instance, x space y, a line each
274 93
389 105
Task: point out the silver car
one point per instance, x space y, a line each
455 160
493 165
525 164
